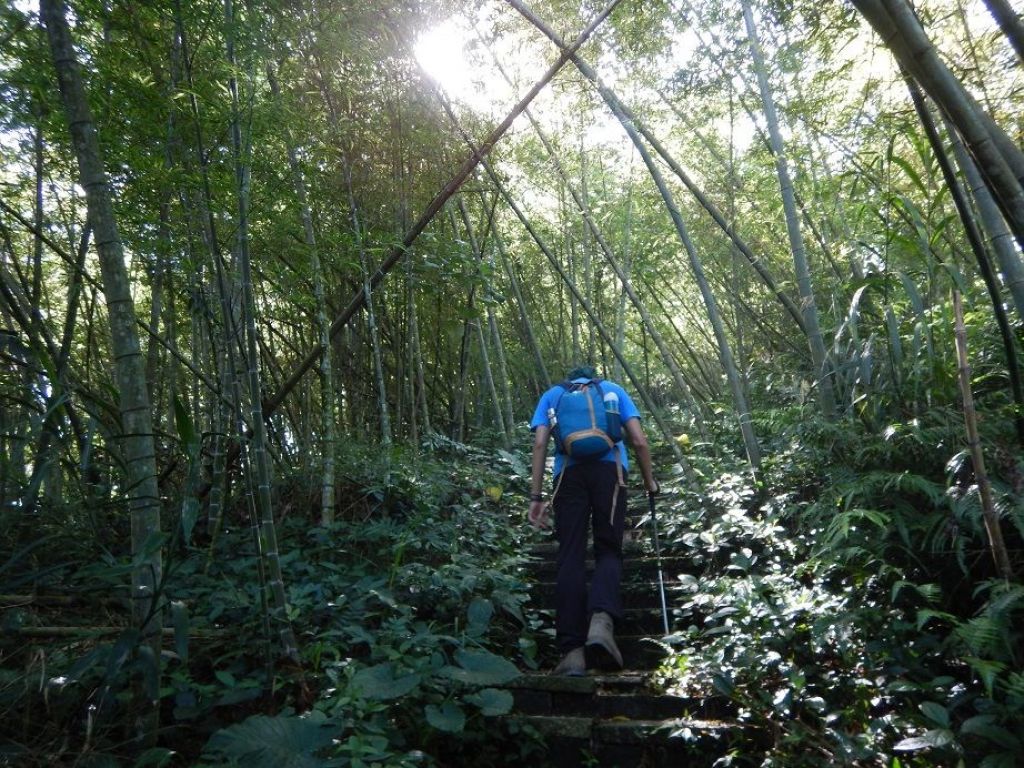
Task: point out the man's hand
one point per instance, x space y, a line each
653 487
539 515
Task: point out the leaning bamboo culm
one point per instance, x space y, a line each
988 510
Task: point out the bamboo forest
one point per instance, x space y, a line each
300 300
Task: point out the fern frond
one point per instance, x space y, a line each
846 522
1014 686
980 634
987 670
1004 597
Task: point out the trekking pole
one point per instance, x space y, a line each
657 556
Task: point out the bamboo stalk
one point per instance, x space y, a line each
83 632
988 510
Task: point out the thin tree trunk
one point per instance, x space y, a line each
258 444
371 317
627 242
492 390
822 371
570 267
476 246
458 415
999 236
136 439
1010 22
499 346
586 227
327 421
722 340
164 245
417 351
43 460
524 316
988 510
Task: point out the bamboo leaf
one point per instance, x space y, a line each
186 429
912 174
179 618
912 293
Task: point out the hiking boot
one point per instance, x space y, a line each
601 652
573 664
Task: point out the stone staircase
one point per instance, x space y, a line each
620 719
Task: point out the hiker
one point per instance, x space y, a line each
588 417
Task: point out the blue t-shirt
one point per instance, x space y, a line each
627 411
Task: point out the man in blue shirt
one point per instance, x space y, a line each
587 490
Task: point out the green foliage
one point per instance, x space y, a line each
275 742
835 606
409 620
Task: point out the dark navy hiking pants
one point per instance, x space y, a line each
584 498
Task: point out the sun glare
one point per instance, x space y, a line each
441 53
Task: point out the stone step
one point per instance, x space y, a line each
630 545
646 621
627 695
635 594
639 651
646 567
579 741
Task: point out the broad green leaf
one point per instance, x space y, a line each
448 717
938 737
273 742
481 668
925 615
225 677
1001 760
479 615
688 582
985 727
157 757
492 701
518 467
99 760
723 683
936 713
379 682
